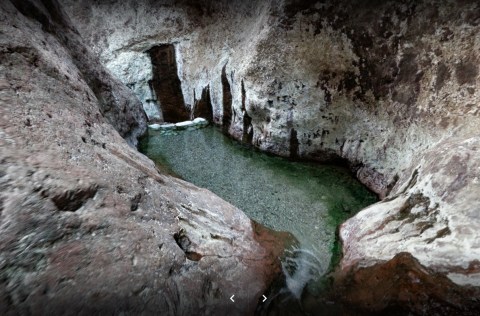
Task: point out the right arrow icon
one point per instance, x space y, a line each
264 298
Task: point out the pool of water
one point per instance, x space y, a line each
308 200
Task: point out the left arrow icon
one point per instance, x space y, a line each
231 298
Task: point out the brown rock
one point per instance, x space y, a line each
402 285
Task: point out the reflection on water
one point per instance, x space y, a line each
308 200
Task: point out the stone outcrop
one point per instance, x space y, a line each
87 224
403 286
115 101
391 87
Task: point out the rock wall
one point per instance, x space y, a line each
87 224
115 101
392 87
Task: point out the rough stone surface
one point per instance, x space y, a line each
403 286
434 215
115 101
139 80
88 225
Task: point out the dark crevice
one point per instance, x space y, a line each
440 234
184 243
415 200
244 96
412 182
1 207
194 256
182 240
293 144
227 101
47 12
166 83
135 202
72 200
247 120
203 106
247 128
392 184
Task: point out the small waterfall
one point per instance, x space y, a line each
300 267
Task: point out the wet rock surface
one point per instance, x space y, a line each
88 225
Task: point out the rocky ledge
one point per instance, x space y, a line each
188 125
88 225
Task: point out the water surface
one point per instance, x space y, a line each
305 199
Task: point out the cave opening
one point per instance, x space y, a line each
167 84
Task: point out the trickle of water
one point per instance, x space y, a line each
300 266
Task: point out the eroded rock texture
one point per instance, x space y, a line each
403 286
87 224
390 86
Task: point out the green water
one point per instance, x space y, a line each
305 199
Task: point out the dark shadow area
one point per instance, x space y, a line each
227 101
247 120
203 106
166 83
